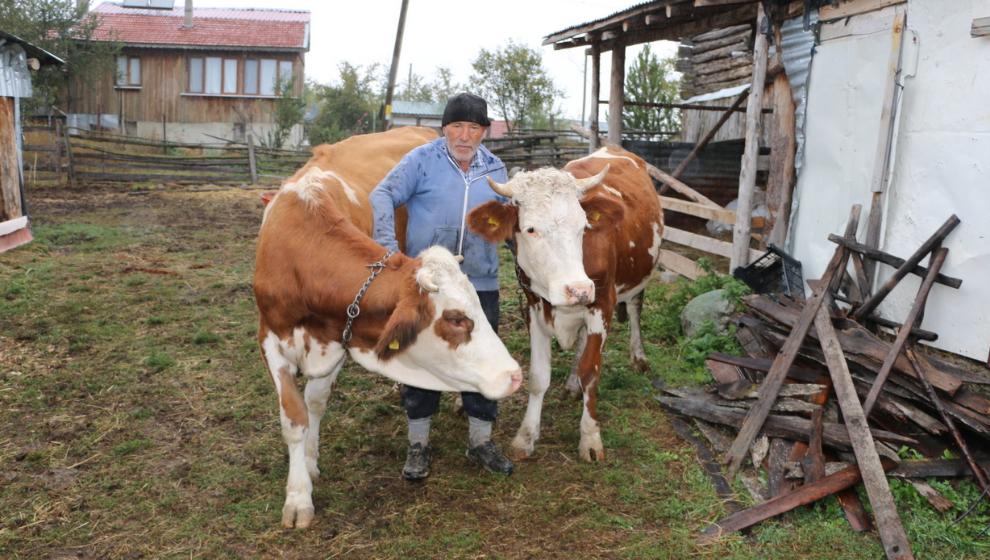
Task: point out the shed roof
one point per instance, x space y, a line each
653 21
43 56
238 28
417 108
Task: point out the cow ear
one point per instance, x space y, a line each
267 197
409 318
494 221
602 211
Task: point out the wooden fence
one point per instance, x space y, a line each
58 155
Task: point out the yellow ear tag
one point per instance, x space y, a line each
493 222
595 216
394 345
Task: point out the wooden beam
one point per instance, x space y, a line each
616 95
881 158
902 335
708 137
596 65
704 211
980 28
936 239
704 3
783 362
809 493
892 535
679 186
747 176
680 264
783 146
701 242
848 8
888 259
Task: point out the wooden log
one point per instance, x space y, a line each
717 33
699 47
881 158
863 345
979 474
741 46
252 165
892 533
792 427
933 496
902 335
782 363
806 494
777 484
937 468
891 260
679 186
783 146
814 459
747 175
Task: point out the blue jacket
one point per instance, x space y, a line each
432 186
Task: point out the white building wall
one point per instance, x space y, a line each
940 162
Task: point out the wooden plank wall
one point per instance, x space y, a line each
10 190
163 84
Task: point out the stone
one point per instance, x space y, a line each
711 306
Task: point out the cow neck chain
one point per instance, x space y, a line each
354 309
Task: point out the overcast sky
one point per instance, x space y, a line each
447 33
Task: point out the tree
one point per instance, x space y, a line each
348 107
289 111
649 80
64 29
515 83
416 88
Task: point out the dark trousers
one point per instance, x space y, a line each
422 403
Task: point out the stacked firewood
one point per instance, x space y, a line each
823 403
715 60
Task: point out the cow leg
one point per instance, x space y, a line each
573 385
589 372
539 381
321 365
298 508
637 355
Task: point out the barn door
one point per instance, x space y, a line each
14 229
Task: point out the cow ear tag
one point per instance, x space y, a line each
394 345
595 216
493 222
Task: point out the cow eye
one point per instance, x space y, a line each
531 230
458 320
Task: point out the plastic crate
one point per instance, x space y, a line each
775 272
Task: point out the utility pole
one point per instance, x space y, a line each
393 70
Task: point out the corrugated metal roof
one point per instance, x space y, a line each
608 17
418 108
797 48
212 27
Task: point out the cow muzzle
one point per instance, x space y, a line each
579 293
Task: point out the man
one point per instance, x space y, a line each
440 183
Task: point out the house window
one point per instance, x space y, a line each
214 74
195 75
251 76
284 73
128 71
229 75
268 68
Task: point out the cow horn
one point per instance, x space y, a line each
588 182
501 188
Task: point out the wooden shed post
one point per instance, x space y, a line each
596 70
615 94
747 176
780 180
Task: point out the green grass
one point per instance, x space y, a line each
141 423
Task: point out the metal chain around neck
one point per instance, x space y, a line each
354 309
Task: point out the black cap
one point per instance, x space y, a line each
466 107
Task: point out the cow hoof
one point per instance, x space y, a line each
295 515
521 448
592 455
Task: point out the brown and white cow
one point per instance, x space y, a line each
587 239
420 321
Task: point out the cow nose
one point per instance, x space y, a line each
579 293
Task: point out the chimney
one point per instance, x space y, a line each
188 23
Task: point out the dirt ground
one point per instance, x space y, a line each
138 421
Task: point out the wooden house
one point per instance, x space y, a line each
194 75
17 59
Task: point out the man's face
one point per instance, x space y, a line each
463 139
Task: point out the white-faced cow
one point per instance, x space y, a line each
587 239
420 320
